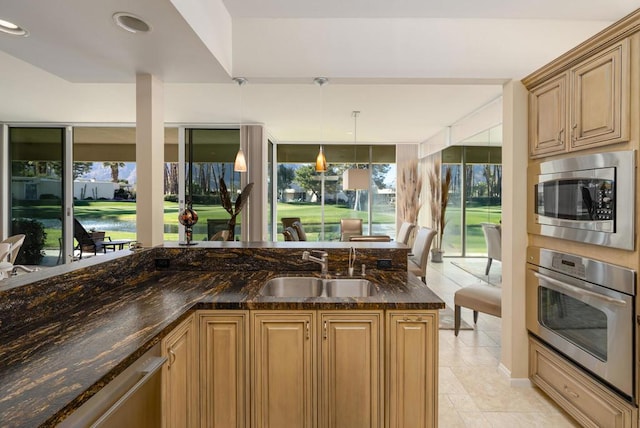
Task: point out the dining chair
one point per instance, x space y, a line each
288 221
419 256
405 232
493 237
290 234
302 236
9 249
15 243
350 226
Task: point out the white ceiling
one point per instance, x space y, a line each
412 67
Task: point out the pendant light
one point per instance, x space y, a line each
354 178
240 164
321 160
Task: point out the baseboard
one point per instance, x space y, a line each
515 382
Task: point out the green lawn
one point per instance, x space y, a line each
123 211
475 238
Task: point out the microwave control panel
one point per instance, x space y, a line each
604 203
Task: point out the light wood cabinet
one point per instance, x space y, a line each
599 111
412 369
590 403
548 117
351 369
224 369
304 368
179 376
586 106
284 369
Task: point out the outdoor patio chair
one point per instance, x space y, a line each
87 242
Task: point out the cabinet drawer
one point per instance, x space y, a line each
589 402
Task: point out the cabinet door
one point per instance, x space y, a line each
548 117
412 369
224 368
179 376
600 99
283 369
351 370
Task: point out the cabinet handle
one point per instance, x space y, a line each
172 357
324 327
573 132
570 392
307 328
560 135
417 319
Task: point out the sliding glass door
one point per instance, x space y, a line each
475 197
36 206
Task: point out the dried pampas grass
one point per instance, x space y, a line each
409 203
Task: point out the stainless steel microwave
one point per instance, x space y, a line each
588 199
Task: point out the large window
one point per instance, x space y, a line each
475 197
212 153
320 200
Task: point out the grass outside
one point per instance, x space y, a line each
475 216
116 212
119 212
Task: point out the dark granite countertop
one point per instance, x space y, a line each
48 369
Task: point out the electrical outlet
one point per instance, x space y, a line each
384 263
162 263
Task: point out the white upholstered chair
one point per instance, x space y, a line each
417 260
9 249
405 232
493 237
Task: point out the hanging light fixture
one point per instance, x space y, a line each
240 164
354 178
321 160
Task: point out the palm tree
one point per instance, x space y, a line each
115 169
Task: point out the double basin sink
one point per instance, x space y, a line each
307 286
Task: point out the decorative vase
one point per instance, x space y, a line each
188 218
436 255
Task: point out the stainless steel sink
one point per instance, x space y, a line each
292 286
304 286
349 288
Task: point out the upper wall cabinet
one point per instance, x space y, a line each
584 107
600 99
548 117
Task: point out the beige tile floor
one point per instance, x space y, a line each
472 391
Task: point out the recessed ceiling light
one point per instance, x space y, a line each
13 29
131 23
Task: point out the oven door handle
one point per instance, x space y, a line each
575 289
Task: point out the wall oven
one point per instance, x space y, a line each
588 199
584 308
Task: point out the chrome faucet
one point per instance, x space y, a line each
323 260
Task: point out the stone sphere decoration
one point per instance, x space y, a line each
188 218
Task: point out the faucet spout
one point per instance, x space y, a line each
322 260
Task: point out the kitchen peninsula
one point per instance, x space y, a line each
66 332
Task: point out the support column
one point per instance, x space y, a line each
514 236
149 160
254 216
